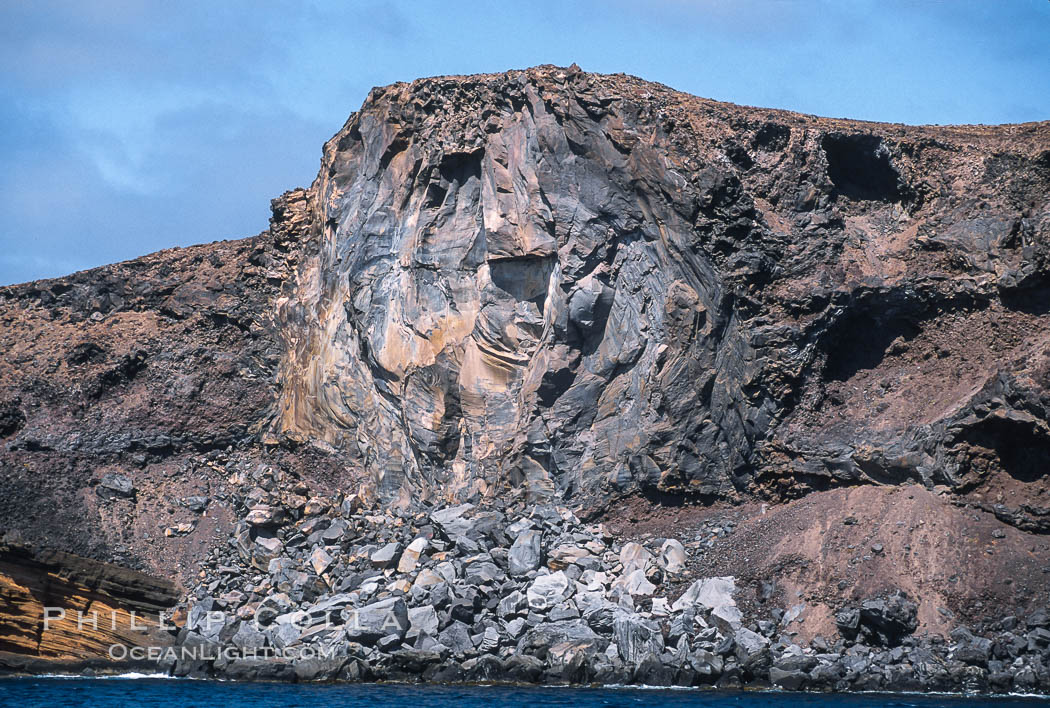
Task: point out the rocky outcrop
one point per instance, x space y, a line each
571 284
61 610
547 289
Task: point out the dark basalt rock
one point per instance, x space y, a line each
880 621
115 486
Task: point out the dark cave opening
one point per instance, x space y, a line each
1023 452
860 167
860 341
772 137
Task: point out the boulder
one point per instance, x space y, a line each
266 516
541 638
634 582
880 621
457 638
386 556
197 504
451 522
319 668
547 591
525 553
271 607
634 556
335 531
727 618
284 634
708 593
522 667
115 486
480 572
636 637
410 557
427 578
513 604
787 679
489 641
706 664
566 555
370 623
515 627
320 560
248 636
422 620
672 557
253 669
750 643
976 652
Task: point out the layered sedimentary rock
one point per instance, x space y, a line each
55 606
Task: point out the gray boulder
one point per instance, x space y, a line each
248 636
115 486
525 553
422 620
457 638
271 607
370 623
636 637
672 557
539 640
708 593
547 591
386 556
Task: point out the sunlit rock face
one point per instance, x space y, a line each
563 284
509 287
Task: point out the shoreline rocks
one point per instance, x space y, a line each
534 595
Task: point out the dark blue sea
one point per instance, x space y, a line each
169 693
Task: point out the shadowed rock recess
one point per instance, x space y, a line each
565 298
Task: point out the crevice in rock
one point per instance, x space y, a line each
1018 448
772 137
859 341
554 384
859 166
459 167
864 334
1032 301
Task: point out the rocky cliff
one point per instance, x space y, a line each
59 608
554 286
562 283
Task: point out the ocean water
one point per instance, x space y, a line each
178 693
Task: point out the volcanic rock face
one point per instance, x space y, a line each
549 283
507 271
563 282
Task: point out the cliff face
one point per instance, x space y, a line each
567 283
59 607
549 283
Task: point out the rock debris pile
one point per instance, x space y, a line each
314 588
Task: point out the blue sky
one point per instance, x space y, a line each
133 125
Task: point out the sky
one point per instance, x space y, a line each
127 126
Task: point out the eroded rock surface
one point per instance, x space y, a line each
57 608
549 288
572 283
